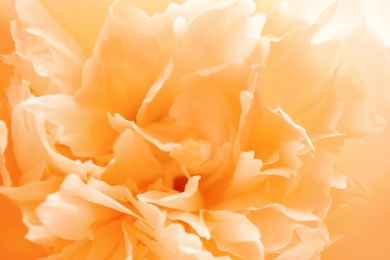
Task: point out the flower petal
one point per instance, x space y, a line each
53 53
188 200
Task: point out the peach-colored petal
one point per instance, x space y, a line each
36 119
17 92
13 244
127 78
278 235
7 12
82 14
77 127
121 123
312 244
53 53
168 240
361 221
195 220
59 212
191 153
155 7
371 93
5 177
247 174
204 224
234 233
134 161
173 242
101 248
188 153
199 109
153 91
132 247
195 16
33 191
297 92
188 200
339 20
376 18
315 179
75 250
267 136
284 241
56 215
358 118
281 19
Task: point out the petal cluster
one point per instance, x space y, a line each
198 129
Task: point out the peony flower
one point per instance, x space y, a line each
231 129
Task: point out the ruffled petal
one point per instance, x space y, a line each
75 128
134 161
188 200
77 201
41 42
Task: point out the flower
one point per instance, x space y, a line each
190 129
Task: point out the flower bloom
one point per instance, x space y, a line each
199 129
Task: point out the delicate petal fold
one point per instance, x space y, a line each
70 212
52 129
53 53
188 200
234 233
134 161
5 176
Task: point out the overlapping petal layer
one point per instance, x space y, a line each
194 129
